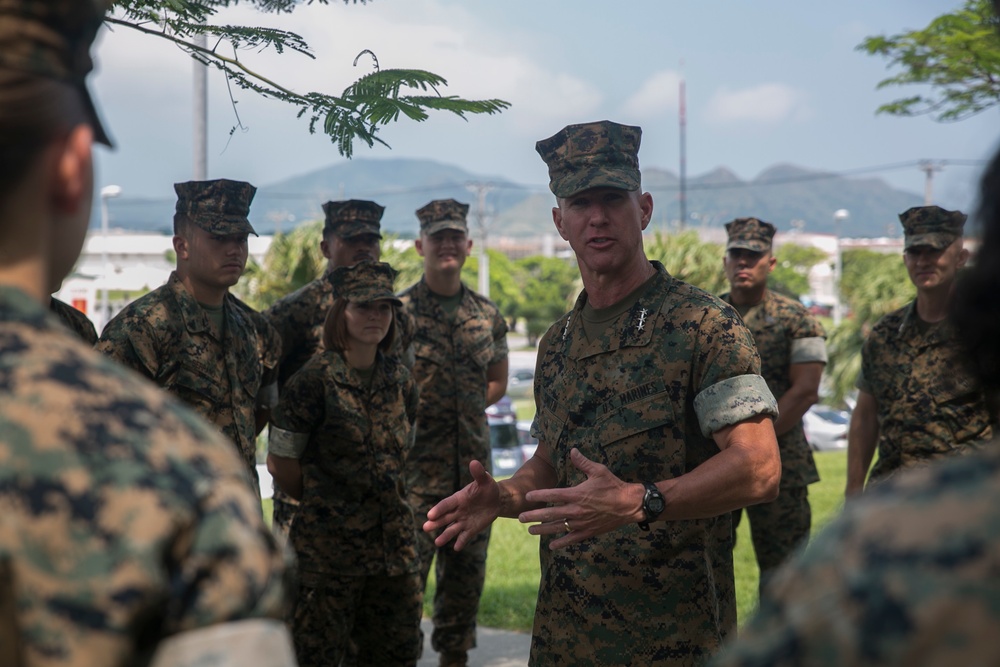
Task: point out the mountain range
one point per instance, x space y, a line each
786 195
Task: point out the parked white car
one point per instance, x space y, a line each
826 427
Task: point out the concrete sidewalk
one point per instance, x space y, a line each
497 648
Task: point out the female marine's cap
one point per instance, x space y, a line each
365 282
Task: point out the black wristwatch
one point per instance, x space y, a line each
653 504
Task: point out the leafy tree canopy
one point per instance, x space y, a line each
791 273
957 55
373 101
690 259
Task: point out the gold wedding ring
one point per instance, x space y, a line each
566 523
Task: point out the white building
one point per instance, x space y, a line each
127 264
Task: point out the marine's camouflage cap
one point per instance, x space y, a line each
352 217
592 155
219 207
51 39
931 225
750 234
364 282
442 214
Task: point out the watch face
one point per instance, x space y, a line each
656 505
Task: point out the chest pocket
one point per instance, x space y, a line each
197 386
954 387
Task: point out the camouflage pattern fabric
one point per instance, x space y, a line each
354 522
442 214
352 217
219 207
167 337
364 282
932 226
929 405
904 576
383 613
52 39
750 234
452 355
592 155
634 400
126 518
785 334
74 320
298 318
777 529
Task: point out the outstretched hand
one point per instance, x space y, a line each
465 514
600 504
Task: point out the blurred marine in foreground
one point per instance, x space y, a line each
128 532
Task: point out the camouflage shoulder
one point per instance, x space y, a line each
891 322
302 294
151 308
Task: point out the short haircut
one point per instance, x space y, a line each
335 329
33 111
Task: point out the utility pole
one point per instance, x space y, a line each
929 167
482 223
200 112
682 198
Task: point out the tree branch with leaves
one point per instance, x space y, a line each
957 56
370 103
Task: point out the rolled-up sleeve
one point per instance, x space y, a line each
733 400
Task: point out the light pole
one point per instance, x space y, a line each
107 192
839 216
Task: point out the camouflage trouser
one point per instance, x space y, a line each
379 614
777 528
283 511
459 582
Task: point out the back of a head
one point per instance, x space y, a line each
44 60
976 306
975 309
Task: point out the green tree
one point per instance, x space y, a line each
957 55
791 272
688 258
372 101
874 285
549 286
504 289
292 261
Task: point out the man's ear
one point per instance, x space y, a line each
557 221
180 247
419 245
73 182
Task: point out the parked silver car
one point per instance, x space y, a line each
826 427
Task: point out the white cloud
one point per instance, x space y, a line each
767 103
658 94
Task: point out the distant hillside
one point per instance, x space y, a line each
781 194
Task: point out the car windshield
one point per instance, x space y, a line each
831 415
503 436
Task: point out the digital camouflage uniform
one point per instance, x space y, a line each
76 321
452 354
905 576
785 334
299 316
354 531
125 517
167 337
929 404
644 400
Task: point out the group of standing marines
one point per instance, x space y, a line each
130 530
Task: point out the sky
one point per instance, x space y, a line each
768 82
